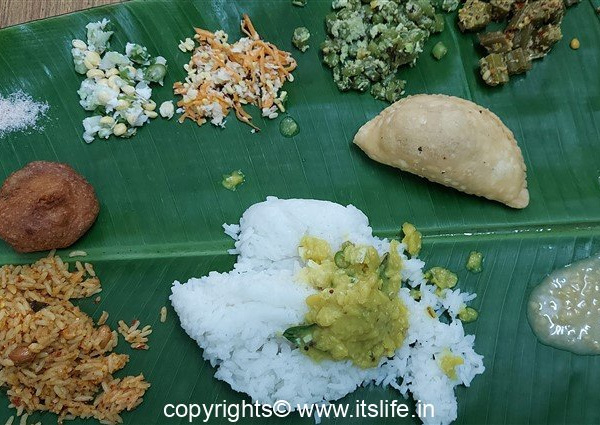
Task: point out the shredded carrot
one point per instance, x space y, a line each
227 76
248 28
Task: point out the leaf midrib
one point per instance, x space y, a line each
219 247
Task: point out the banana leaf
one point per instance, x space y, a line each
162 203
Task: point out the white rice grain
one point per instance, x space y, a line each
103 318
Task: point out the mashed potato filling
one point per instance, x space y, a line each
356 314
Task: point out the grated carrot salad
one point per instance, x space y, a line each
223 76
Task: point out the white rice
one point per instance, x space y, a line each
237 318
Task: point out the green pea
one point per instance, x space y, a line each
156 72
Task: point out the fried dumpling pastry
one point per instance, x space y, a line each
450 141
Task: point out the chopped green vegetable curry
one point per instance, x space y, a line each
441 277
412 239
233 180
300 38
468 314
368 41
475 262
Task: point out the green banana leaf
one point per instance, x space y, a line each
162 203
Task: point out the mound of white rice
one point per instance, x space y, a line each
237 318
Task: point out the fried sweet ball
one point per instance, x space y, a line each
45 205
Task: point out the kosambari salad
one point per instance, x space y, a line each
117 88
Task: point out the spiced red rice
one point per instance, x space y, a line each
52 356
135 336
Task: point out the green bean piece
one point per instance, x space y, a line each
301 335
389 90
386 281
346 244
331 60
340 260
361 83
438 24
383 265
127 75
288 127
138 54
300 38
450 5
439 50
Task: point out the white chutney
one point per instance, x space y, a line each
564 310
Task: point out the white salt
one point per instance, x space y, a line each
19 111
